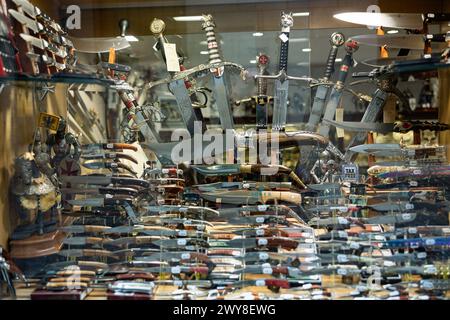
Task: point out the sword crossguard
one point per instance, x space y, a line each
260 100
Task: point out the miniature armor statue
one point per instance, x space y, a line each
62 143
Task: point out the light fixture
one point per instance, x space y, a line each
300 14
338 60
303 64
124 24
253 61
188 18
306 49
299 40
392 31
258 34
204 52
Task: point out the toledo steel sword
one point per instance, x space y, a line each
220 89
337 39
179 87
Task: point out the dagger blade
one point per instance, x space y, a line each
36 27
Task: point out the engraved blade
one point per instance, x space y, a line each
280 105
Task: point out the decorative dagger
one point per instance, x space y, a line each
92 148
93 165
252 197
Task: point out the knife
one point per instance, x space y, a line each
43 45
104 191
104 155
108 165
104 180
99 45
99 202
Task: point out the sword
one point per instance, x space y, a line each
178 87
220 90
337 39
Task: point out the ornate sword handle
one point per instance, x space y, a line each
286 23
263 62
337 39
208 26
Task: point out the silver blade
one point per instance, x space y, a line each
223 104
362 126
94 165
280 105
391 20
34 41
30 9
380 62
411 41
376 147
29 23
184 103
88 202
99 45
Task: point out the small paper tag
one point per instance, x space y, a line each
267 271
262 242
260 283
284 37
409 206
260 220
262 208
430 242
342 258
170 51
185 256
342 220
413 183
421 255
181 242
176 270
406 216
263 256
412 230
260 232
182 233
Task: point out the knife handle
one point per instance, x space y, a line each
120 146
277 283
284 243
284 52
337 39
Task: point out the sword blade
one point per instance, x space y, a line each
280 105
410 41
223 103
88 202
184 103
362 126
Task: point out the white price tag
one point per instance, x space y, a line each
170 51
430 269
260 283
110 146
236 253
409 206
267 271
343 234
246 186
342 220
262 242
342 258
183 210
182 233
259 232
309 240
413 163
411 152
406 216
175 270
430 242
417 172
263 256
260 220
421 255
284 37
185 256
413 183
262 208
412 230
427 285
181 242
342 272
307 286
354 245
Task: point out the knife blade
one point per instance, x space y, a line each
99 45
411 21
104 180
112 155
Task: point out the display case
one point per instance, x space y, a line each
207 150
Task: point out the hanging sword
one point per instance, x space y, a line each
220 89
337 39
179 88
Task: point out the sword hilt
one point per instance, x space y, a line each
337 39
208 26
286 23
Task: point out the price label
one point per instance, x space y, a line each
413 183
411 152
181 242
182 233
427 285
262 242
262 208
259 232
394 293
307 286
342 220
236 253
413 163
178 283
260 283
246 186
412 230
342 258
260 220
263 256
175 270
185 256
267 271
430 242
417 172
110 146
409 206
406 216
309 240
342 272
343 234
284 37
172 62
430 269
354 245
421 255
